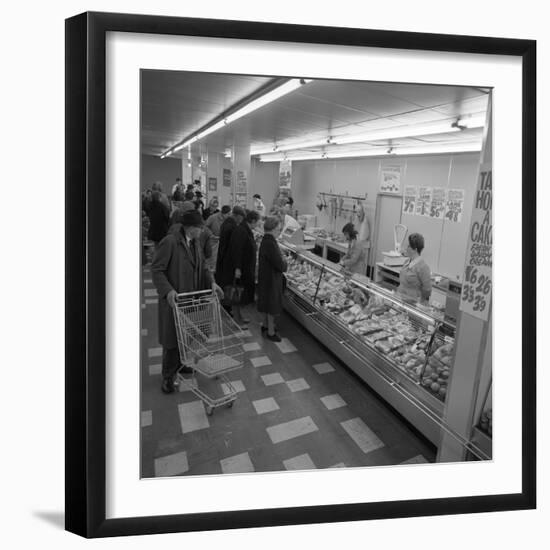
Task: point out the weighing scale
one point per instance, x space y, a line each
395 258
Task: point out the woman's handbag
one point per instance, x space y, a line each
233 293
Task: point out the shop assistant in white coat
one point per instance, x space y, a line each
415 282
355 259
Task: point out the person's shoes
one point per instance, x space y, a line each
264 330
273 337
167 386
185 370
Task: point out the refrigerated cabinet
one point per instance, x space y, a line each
401 350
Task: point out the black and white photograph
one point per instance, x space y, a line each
316 268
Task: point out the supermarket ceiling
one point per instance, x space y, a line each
177 104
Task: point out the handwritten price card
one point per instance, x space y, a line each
478 275
455 205
424 201
437 208
409 199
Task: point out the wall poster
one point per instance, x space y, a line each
424 201
390 180
455 205
409 199
212 184
437 208
226 177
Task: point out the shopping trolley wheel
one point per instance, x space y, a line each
209 411
230 404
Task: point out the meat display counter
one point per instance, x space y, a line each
402 351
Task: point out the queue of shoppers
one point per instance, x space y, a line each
198 248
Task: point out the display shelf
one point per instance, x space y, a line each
388 343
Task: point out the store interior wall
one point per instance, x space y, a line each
156 169
445 241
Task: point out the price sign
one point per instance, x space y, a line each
409 199
424 201
478 274
454 205
437 207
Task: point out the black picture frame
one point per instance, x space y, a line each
86 284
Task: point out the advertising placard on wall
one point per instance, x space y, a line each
226 177
478 274
390 180
437 208
424 201
409 199
285 174
454 205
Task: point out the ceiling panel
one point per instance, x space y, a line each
177 104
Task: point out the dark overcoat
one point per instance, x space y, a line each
158 218
224 270
242 255
271 266
180 267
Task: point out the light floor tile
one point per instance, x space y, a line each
285 346
144 332
188 384
262 361
339 465
323 368
237 464
289 430
333 401
272 379
171 465
418 459
265 405
155 369
297 385
302 462
365 438
148 281
146 418
154 352
253 346
150 292
192 417
238 386
150 301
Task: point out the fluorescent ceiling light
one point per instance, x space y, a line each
254 105
449 125
464 147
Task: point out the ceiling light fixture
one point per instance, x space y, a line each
460 147
448 125
278 92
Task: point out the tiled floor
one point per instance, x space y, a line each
297 407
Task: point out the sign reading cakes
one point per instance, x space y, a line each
390 180
478 276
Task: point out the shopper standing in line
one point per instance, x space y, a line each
259 206
289 221
158 219
415 283
272 265
157 186
225 272
214 223
242 258
212 208
178 266
355 259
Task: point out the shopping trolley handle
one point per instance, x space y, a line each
195 293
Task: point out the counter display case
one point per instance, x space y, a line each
403 351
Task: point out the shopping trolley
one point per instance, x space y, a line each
210 342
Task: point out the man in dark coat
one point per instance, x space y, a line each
271 266
225 272
242 259
158 219
178 266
